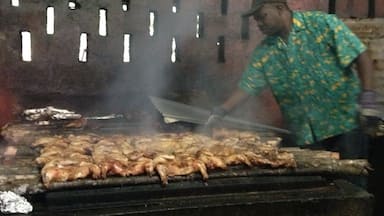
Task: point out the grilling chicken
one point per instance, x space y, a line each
72 167
67 158
180 165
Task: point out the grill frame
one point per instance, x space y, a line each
312 195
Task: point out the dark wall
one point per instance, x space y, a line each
55 67
203 66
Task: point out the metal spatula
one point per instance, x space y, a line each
174 111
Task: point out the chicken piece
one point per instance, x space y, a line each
166 145
44 159
134 155
141 166
111 167
186 164
139 142
248 135
188 139
51 174
230 141
162 170
237 159
126 149
52 149
210 160
120 139
106 147
81 146
163 159
54 152
68 172
190 150
90 138
230 154
110 163
182 165
221 150
45 141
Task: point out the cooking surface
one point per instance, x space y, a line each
21 173
239 190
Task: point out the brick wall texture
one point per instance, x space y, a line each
371 31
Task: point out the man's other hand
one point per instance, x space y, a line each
369 111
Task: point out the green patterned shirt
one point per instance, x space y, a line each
310 76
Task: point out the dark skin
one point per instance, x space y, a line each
275 19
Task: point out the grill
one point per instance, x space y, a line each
229 196
306 190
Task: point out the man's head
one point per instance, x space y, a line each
270 15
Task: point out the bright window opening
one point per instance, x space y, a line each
103 22
127 48
174 48
175 6
26 46
152 18
50 20
197 26
83 47
73 5
15 3
125 7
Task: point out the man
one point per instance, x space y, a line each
306 59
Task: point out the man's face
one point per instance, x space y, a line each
269 19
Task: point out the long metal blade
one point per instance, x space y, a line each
174 111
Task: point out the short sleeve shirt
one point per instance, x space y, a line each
310 75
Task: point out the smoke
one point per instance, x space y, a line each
162 62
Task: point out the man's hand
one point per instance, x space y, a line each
369 111
368 103
215 118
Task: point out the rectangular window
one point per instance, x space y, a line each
175 6
152 23
224 7
199 25
73 5
125 5
50 20
221 49
83 47
127 48
15 3
26 46
174 50
103 22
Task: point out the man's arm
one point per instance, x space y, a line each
237 97
365 71
369 107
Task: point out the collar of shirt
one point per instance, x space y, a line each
298 25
